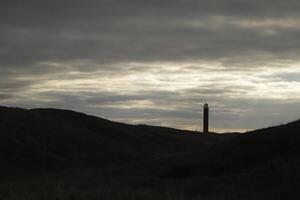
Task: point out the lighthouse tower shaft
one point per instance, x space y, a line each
205 118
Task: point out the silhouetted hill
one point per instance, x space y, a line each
261 164
51 138
256 146
86 157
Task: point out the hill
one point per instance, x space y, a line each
40 139
261 164
59 154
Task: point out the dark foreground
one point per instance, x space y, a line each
57 154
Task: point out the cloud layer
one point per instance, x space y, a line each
154 62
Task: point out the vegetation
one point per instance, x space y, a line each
58 154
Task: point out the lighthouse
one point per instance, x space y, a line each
205 118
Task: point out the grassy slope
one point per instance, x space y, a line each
262 164
149 162
59 139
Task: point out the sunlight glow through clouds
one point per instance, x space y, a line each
155 62
186 87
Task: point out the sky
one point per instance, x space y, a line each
155 62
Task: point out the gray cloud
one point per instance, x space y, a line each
110 31
178 109
138 61
289 76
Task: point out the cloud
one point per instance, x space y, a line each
154 61
125 31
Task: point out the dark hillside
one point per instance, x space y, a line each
262 164
61 154
52 139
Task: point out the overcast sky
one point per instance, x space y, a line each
155 61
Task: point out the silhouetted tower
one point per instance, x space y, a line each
205 118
